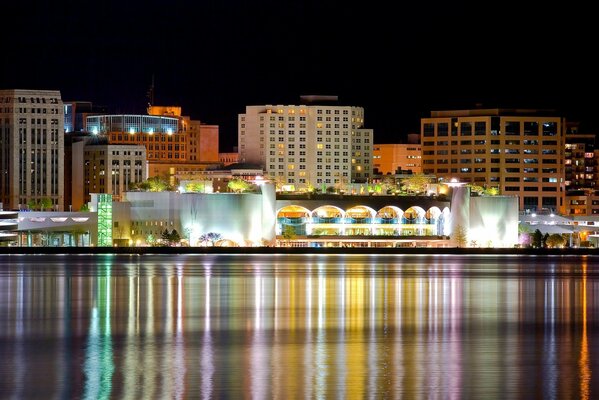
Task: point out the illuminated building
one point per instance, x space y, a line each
76 112
99 167
404 221
228 158
580 172
102 204
519 151
31 148
316 144
392 158
240 219
172 141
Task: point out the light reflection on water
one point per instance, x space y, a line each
294 326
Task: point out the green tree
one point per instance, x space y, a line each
288 233
153 184
84 207
238 185
45 203
416 183
195 187
479 190
492 191
460 236
32 204
555 240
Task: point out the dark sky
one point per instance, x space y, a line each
399 60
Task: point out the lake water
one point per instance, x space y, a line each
299 326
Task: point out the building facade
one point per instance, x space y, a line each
99 167
580 172
519 151
76 113
172 141
303 145
31 148
393 158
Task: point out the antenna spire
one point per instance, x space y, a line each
150 93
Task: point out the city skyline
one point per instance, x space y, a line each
215 59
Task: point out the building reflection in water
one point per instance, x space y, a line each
317 330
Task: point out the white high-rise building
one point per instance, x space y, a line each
31 148
321 145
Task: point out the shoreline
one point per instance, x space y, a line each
296 250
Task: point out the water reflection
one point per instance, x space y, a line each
302 327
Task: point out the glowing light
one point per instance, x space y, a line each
169 131
95 130
131 130
151 131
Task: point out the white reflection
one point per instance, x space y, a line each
550 351
180 340
131 372
148 347
207 358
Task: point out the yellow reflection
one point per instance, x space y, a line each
583 362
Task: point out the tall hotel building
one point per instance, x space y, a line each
307 144
31 148
519 151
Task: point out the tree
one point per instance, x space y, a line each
555 240
153 184
278 180
524 235
174 236
288 233
460 236
537 239
416 183
45 203
165 235
545 237
479 190
32 204
211 237
84 207
492 191
195 187
238 185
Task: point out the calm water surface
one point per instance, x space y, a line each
313 326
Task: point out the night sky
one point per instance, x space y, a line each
214 57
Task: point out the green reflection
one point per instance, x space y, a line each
99 365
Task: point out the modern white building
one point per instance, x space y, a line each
31 148
318 143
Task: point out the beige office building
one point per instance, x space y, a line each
99 167
31 148
321 145
519 151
